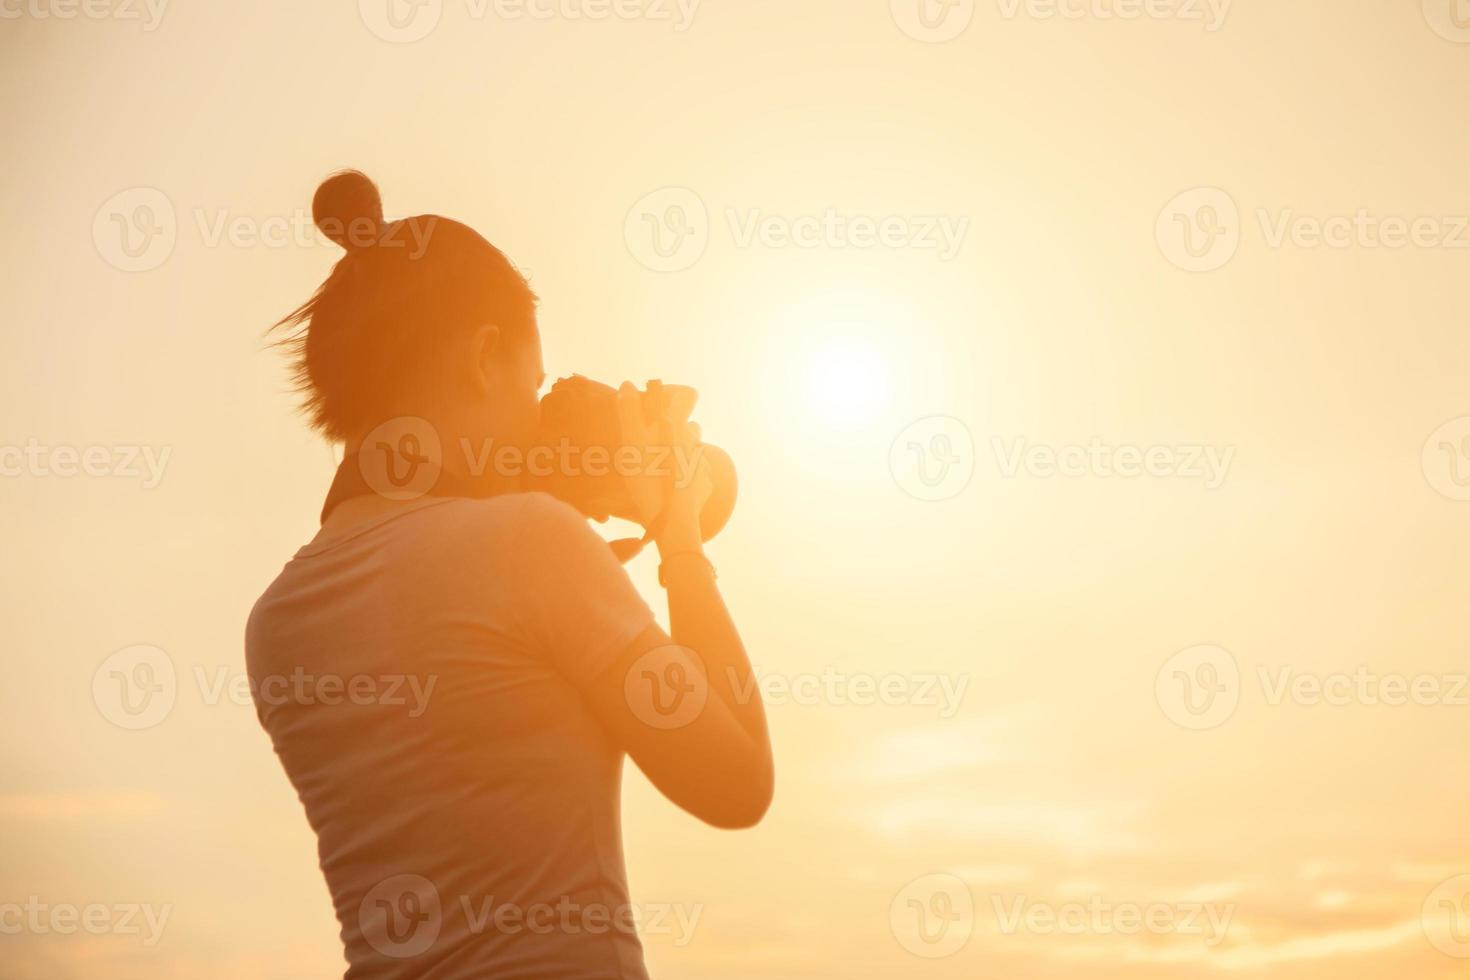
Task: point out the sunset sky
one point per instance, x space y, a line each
1098 385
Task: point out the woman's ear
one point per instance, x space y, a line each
484 349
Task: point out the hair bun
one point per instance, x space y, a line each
348 209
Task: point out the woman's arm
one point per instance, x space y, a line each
686 708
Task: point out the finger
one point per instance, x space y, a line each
680 402
701 465
630 415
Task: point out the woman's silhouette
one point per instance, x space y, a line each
451 682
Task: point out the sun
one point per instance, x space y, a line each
834 361
845 382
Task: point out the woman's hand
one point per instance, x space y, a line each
671 481
717 762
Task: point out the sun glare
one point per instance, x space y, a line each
839 356
846 383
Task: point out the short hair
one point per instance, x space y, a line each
366 346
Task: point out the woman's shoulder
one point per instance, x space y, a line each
531 516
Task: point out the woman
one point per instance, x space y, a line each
451 682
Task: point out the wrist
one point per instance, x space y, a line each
680 533
683 563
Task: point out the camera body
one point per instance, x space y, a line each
580 414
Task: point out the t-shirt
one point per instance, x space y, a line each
419 675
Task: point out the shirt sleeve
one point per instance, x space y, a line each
575 601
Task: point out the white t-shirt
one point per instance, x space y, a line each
419 676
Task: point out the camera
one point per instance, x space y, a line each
580 414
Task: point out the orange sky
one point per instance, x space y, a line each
1097 383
